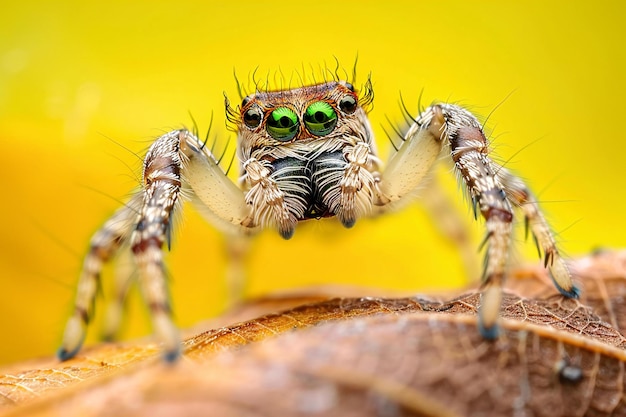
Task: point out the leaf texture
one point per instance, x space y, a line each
363 356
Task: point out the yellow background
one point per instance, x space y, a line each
82 82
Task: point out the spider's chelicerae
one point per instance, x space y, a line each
308 153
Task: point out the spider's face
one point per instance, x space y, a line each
300 117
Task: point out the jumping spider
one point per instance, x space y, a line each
306 153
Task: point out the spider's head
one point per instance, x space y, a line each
300 117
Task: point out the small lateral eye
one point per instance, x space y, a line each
320 118
348 104
282 124
253 116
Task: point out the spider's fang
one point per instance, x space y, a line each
574 292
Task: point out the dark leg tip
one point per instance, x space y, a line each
64 354
488 333
573 293
108 338
171 356
348 223
286 233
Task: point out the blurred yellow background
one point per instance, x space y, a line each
84 86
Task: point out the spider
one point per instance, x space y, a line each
308 153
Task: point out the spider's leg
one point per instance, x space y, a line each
176 159
114 309
470 153
103 246
215 196
442 127
237 248
407 168
161 188
223 204
451 223
521 197
493 192
491 189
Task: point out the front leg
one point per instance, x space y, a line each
469 151
175 160
103 246
492 190
162 184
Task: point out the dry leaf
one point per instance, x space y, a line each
364 356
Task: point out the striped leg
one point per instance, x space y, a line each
150 214
115 306
162 185
469 150
103 246
521 197
146 223
492 189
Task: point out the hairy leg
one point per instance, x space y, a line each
175 160
492 191
103 246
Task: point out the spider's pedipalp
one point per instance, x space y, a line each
277 193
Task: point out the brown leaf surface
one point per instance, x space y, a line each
362 356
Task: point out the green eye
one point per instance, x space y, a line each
320 118
282 124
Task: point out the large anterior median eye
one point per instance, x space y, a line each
320 118
282 124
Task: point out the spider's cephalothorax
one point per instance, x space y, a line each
308 153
